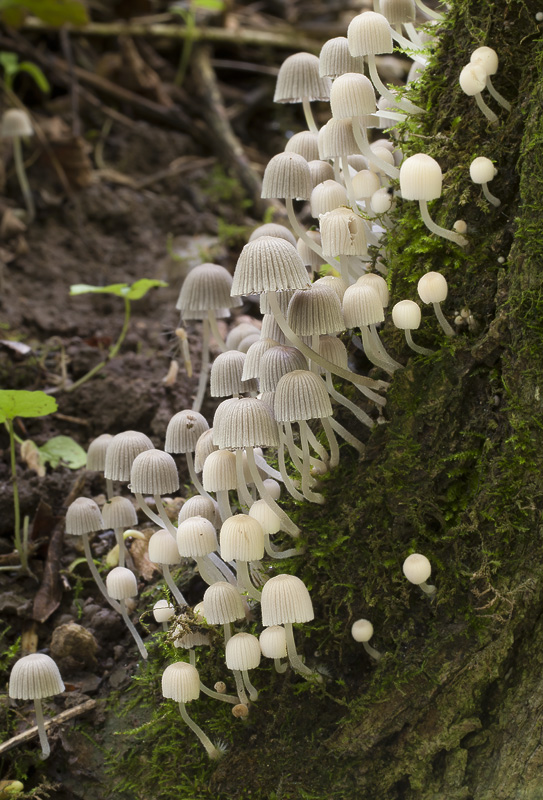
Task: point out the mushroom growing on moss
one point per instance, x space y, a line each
417 569
482 171
362 631
34 677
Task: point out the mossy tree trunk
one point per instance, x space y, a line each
453 710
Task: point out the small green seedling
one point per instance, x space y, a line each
11 66
187 10
128 293
20 403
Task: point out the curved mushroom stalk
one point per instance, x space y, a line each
244 581
96 575
437 229
135 635
210 748
295 661
423 351
171 585
192 473
400 102
286 523
361 415
42 733
371 651
308 114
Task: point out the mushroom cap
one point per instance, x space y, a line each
343 233
301 395
273 642
362 306
121 452
432 287
163 548
487 58
226 374
83 516
298 78
305 144
336 138
244 422
278 361
222 604
96 453
119 512
417 568
196 537
472 79
362 630
384 154
369 33
243 347
219 473
285 599
398 11
268 264
251 367
183 431
238 333
381 201
243 652
287 175
163 610
327 196
481 170
273 229
312 260
365 183
121 583
315 311
154 472
181 682
242 539
270 328
420 178
199 506
190 640
15 123
206 287
378 283
337 284
352 95
267 518
204 446
332 349
320 171
335 59
33 677
406 315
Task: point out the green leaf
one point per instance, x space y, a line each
134 292
212 5
20 403
57 12
9 61
140 288
63 449
35 72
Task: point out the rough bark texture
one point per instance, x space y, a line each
453 710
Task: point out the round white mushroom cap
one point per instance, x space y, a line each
163 548
196 537
181 682
121 583
406 315
362 630
154 472
473 79
222 604
417 568
242 539
199 506
273 642
183 431
369 34
481 170
432 287
420 178
268 519
33 677
487 58
83 516
163 610
243 652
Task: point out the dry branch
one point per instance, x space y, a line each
65 716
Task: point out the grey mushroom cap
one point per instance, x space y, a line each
33 677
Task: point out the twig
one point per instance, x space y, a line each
177 167
74 85
225 142
64 716
288 39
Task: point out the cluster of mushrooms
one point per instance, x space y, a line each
275 377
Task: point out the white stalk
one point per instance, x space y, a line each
332 441
23 180
286 523
435 228
96 575
253 693
402 103
442 321
416 347
393 365
496 95
204 369
289 484
135 635
244 581
40 724
146 510
345 434
308 113
214 328
364 418
243 493
371 651
194 478
210 748
165 520
295 660
489 114
223 501
171 585
313 497
491 197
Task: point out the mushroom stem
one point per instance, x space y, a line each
286 523
287 480
435 228
410 46
262 464
244 581
371 351
210 748
280 666
253 693
359 380
313 497
171 585
223 502
273 552
135 635
413 34
204 368
194 478
361 138
349 185
40 724
417 348
109 489
406 105
299 230
308 113
227 630
165 520
348 437
428 588
119 538
240 687
146 510
332 441
243 493
371 651
496 95
442 321
96 575
214 328
226 698
379 346
364 418
295 660
344 270
489 114
23 180
429 11
490 197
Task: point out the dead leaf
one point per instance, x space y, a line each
31 456
48 597
20 348
11 225
139 552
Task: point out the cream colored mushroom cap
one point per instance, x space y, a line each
33 677
278 361
222 604
432 287
362 630
487 58
243 652
352 95
482 170
365 183
342 233
183 431
181 682
378 283
398 11
369 33
199 506
226 374
305 144
154 472
204 446
163 610
326 197
320 171
219 473
15 123
268 264
336 138
83 516
417 568
207 286
119 512
285 599
299 78
420 178
163 548
196 537
335 59
263 514
315 311
362 306
242 539
244 422
273 229
273 642
473 79
406 315
121 583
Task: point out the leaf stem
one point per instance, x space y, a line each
16 507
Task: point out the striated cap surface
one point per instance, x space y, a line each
335 59
121 452
285 599
181 682
154 472
96 454
119 512
33 677
242 539
219 473
222 604
121 583
369 34
246 422
315 311
298 78
362 306
163 548
196 537
183 431
276 362
83 516
243 652
301 395
420 178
